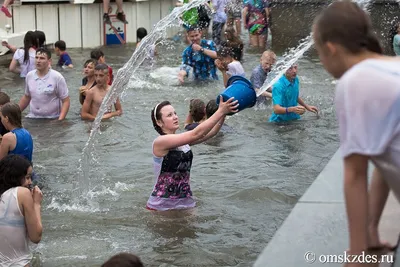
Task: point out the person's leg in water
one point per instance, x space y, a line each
4 7
238 23
120 12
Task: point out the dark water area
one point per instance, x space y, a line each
245 181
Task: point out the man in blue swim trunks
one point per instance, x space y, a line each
287 104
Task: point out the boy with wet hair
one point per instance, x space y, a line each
197 114
99 56
260 73
95 96
65 60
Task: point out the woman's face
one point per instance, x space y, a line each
27 180
88 70
169 122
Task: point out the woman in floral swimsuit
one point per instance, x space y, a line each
256 17
172 157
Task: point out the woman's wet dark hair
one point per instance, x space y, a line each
156 115
345 23
123 260
13 169
13 112
29 41
40 39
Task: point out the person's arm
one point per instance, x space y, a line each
165 142
65 103
62 93
14 67
24 102
67 61
185 68
277 102
31 205
10 47
117 112
245 10
225 77
5 145
212 133
82 94
356 198
377 197
307 107
85 112
210 53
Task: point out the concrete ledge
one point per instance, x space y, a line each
317 224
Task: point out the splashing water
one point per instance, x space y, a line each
120 84
295 54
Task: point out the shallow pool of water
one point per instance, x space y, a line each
245 181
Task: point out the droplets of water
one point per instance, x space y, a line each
120 84
294 54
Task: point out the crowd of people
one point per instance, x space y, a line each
368 122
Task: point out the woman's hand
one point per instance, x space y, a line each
221 66
37 195
230 106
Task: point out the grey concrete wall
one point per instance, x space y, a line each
291 21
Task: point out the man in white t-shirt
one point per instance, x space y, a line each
46 91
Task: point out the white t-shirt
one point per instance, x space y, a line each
25 66
235 68
368 109
46 94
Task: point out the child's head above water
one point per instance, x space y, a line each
225 54
97 55
267 60
123 260
141 33
197 109
60 47
211 108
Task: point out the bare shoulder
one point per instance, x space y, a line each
24 194
8 137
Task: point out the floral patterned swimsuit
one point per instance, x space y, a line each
172 187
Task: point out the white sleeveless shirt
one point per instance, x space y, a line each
14 249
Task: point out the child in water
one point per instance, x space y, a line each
227 64
197 114
140 34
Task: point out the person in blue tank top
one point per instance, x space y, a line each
18 141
